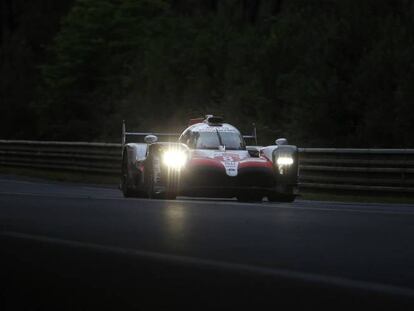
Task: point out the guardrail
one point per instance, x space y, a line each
99 158
372 170
375 170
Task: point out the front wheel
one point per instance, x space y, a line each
170 191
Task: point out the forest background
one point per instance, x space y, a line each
321 73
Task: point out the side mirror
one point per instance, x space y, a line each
150 139
281 141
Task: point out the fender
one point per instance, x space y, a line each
136 152
287 175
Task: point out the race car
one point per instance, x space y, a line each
209 159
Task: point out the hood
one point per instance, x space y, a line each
230 160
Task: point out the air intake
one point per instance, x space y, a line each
213 120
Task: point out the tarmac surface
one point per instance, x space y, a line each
354 250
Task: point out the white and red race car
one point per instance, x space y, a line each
210 159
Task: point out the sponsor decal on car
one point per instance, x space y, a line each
230 163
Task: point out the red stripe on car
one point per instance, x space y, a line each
265 164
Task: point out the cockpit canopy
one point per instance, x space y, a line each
213 139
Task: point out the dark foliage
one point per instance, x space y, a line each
322 73
26 27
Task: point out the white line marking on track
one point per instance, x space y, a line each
235 267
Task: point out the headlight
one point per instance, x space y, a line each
284 161
175 159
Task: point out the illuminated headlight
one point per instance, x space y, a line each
175 159
284 161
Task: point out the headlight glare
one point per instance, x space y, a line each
284 161
175 159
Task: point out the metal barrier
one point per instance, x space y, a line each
375 170
100 158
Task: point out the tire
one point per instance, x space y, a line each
169 194
249 197
279 197
172 188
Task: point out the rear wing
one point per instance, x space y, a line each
253 135
125 134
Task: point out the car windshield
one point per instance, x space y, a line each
212 140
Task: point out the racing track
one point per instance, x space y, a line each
68 246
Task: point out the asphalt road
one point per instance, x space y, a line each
365 246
